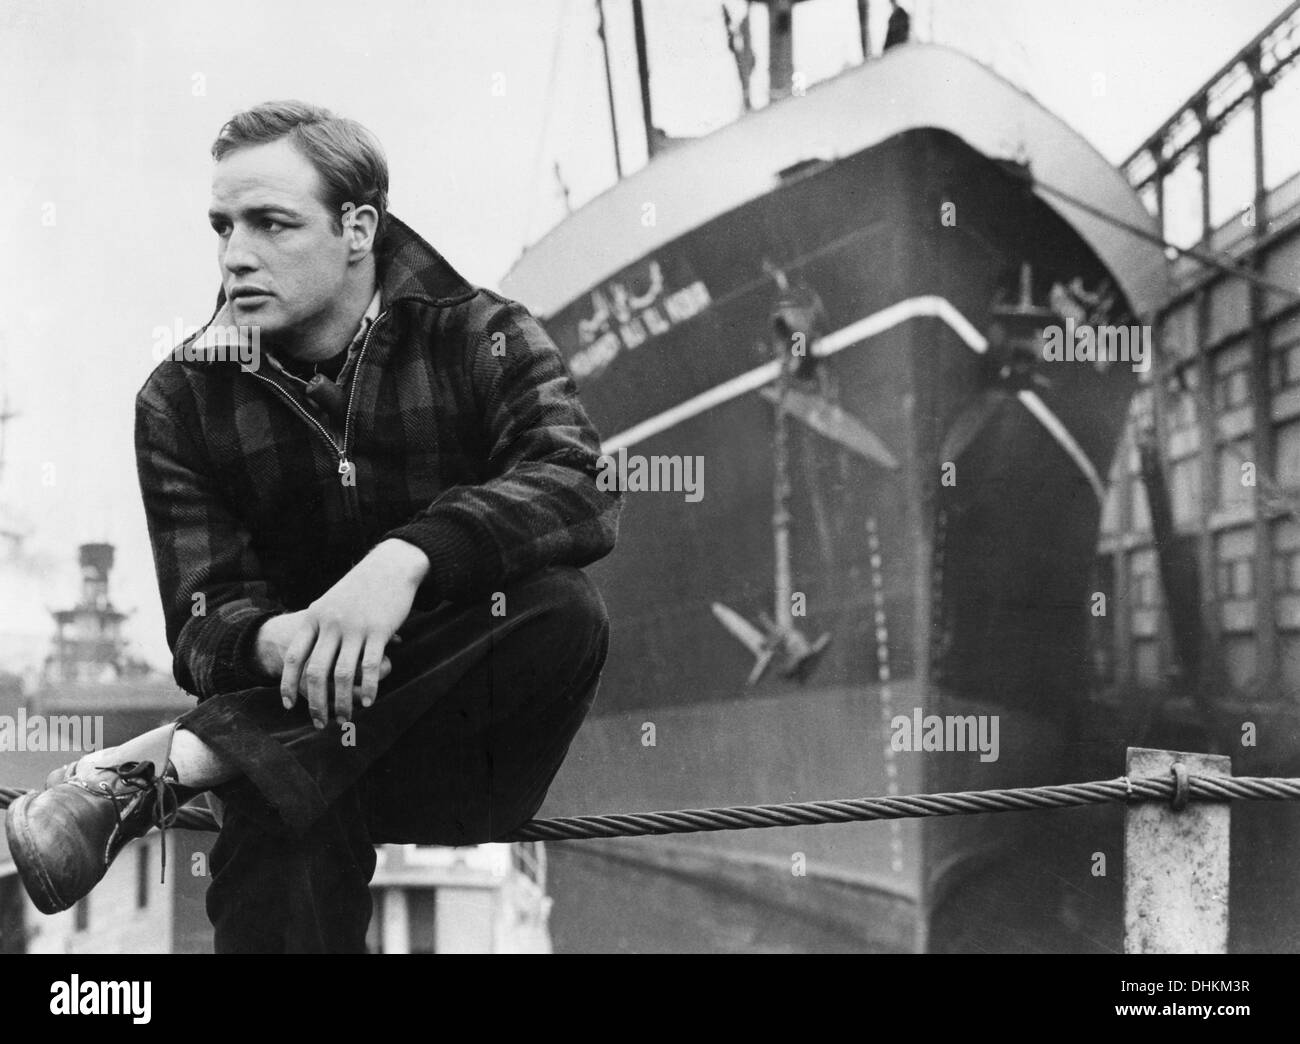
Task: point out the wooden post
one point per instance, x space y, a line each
1176 862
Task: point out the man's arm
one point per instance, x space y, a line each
540 504
226 628
214 599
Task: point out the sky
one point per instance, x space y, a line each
484 107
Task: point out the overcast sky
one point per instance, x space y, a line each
110 107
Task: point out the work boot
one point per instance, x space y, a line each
64 838
100 759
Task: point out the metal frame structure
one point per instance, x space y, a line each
1204 295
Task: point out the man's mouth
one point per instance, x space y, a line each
249 294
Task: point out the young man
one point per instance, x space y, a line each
367 534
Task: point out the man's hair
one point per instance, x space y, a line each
348 157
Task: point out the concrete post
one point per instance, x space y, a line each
396 937
1176 862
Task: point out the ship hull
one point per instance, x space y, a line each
947 587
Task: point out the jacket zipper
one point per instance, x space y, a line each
340 451
352 393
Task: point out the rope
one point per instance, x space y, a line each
1174 787
1202 257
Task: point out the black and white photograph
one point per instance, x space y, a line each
540 477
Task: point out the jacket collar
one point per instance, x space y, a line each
410 269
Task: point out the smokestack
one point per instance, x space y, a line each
96 564
780 42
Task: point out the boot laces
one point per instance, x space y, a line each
141 777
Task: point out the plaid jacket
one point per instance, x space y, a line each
465 437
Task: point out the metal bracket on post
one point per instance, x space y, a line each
1176 860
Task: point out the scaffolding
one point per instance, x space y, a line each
1224 403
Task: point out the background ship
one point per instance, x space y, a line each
917 221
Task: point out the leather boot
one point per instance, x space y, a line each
64 838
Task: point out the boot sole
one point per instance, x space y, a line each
27 859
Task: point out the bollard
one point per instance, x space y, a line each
1176 862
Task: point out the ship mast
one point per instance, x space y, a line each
643 77
780 31
609 88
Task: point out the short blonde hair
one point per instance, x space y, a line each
347 156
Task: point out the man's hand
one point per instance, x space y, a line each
337 643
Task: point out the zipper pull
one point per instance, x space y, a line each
347 471
327 396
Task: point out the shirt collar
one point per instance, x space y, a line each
367 320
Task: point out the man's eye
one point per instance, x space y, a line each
220 227
270 225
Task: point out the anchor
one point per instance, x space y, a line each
1011 374
795 327
800 655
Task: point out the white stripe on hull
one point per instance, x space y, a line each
928 307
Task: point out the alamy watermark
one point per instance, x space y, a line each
635 473
219 343
72 996
67 733
1084 342
952 732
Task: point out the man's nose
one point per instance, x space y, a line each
237 256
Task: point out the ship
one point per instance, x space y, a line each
860 502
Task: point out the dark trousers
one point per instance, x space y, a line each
459 749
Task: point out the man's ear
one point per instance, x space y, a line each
359 227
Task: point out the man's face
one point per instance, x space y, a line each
283 263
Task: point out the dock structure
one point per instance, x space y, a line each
1199 555
1221 405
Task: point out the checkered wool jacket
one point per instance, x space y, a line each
483 459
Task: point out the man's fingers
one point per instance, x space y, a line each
317 676
295 659
345 673
371 667
385 669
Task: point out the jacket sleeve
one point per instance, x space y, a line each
214 598
540 504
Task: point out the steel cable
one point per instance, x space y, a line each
856 810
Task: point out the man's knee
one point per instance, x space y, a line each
572 622
577 598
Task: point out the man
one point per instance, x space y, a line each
367 546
